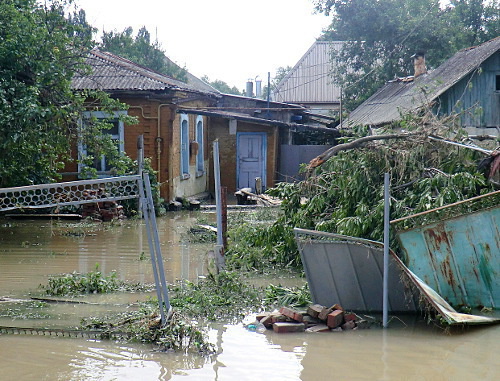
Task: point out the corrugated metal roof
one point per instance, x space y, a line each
398 97
309 81
251 119
110 72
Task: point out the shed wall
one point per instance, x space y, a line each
219 129
476 97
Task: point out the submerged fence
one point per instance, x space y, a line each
92 191
70 193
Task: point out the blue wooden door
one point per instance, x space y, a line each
251 159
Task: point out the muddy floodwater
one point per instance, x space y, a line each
30 251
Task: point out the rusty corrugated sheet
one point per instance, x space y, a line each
348 270
458 257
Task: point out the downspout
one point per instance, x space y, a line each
158 139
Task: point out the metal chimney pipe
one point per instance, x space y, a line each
249 91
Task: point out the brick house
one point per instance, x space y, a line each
179 122
176 143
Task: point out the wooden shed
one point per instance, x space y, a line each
468 83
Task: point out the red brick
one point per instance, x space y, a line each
267 321
276 318
335 319
285 327
292 314
318 328
351 316
314 310
336 307
323 315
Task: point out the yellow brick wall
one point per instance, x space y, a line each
219 128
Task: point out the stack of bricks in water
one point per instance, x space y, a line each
105 211
317 318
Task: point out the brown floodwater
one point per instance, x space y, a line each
30 251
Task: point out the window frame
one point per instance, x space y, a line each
120 137
200 139
184 146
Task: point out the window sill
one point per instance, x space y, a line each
185 176
200 173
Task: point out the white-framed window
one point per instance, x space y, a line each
184 123
117 134
200 156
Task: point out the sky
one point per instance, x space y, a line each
228 40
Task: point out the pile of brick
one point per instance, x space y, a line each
316 318
105 211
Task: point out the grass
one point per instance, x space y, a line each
93 282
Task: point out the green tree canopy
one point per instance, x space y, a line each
222 86
381 35
281 72
40 51
142 50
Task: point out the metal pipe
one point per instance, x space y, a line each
445 206
479 149
147 219
158 134
385 291
268 93
154 227
218 205
140 165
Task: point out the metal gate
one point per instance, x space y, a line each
92 191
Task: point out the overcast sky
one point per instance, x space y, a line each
230 40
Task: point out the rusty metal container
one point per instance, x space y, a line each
458 257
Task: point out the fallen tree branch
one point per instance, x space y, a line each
318 160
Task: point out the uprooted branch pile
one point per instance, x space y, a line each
344 192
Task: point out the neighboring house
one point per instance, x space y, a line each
176 143
309 83
180 121
254 138
467 83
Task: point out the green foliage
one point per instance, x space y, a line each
345 196
200 235
222 86
29 310
141 50
93 134
381 36
180 334
281 72
40 52
287 296
93 282
256 242
216 297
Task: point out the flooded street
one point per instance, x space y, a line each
30 251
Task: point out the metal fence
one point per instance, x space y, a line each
92 191
69 193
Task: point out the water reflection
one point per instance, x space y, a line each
30 251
